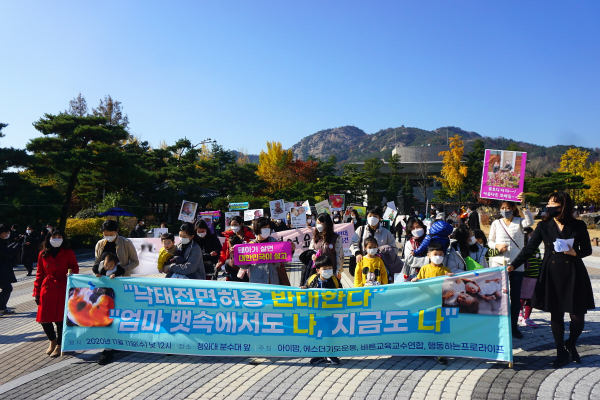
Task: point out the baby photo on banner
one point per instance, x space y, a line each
298 217
229 216
503 175
188 211
251 215
476 293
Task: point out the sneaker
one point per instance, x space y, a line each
442 360
7 312
529 322
522 321
106 357
316 360
333 360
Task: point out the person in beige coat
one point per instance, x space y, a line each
112 242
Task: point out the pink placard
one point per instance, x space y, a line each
503 174
262 253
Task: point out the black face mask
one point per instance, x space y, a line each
553 212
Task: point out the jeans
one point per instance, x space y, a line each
515 280
5 295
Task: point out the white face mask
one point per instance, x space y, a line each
320 227
417 232
437 259
373 221
142 223
327 273
48 229
56 242
203 234
110 238
265 232
472 240
185 240
236 228
28 231
372 251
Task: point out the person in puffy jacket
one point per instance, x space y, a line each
439 233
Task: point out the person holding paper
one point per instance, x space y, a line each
507 235
564 284
329 243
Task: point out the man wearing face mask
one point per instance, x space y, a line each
29 253
372 229
116 244
139 229
7 275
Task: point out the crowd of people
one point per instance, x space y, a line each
413 249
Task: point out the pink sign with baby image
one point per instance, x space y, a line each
262 253
503 175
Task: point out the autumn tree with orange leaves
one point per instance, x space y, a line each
453 170
274 166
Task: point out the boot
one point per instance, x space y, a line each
56 351
51 347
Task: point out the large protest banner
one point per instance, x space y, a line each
201 317
302 237
503 175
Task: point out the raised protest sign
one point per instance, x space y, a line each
336 201
302 237
187 212
210 217
199 317
503 175
239 206
323 207
252 253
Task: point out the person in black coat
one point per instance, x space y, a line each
473 219
139 229
30 250
564 284
7 275
210 245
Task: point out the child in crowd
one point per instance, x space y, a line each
490 290
435 252
110 267
324 279
482 240
370 271
438 233
167 252
231 270
530 277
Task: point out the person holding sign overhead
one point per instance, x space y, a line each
563 284
507 235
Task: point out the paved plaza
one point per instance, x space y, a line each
28 373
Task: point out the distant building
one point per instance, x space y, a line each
417 161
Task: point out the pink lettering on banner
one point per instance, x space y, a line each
261 253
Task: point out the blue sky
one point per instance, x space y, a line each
245 72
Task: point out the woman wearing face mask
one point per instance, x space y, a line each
263 272
355 219
563 285
371 229
464 245
236 227
330 244
415 233
29 253
7 274
189 264
210 245
112 242
54 262
46 230
507 235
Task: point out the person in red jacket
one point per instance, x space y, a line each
54 262
245 233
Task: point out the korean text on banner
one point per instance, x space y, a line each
260 253
503 175
198 317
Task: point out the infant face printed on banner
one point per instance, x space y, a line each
476 293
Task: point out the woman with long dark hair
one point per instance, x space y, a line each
466 245
329 243
210 245
50 286
415 233
563 285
